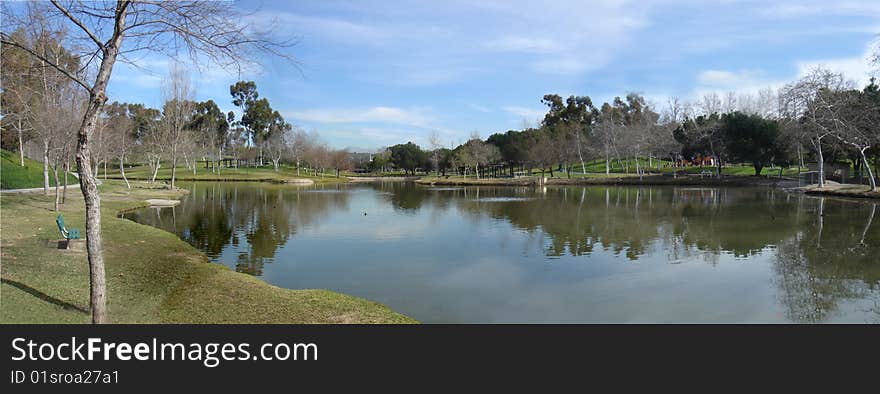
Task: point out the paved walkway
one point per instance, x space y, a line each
39 189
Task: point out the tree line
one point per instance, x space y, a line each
820 118
41 108
63 55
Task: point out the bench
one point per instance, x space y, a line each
67 233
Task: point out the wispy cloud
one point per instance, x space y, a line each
418 117
529 114
857 68
526 44
788 9
478 107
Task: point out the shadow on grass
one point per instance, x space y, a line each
43 296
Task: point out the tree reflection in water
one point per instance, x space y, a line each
264 217
822 251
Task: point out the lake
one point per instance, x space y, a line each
592 254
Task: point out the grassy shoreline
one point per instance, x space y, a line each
285 174
841 190
152 275
614 179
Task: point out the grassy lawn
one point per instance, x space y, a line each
598 166
14 176
265 174
152 276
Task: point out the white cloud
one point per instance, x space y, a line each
727 80
525 44
809 8
478 107
529 114
418 117
857 68
336 29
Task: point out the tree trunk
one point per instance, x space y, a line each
57 189
46 167
87 182
173 171
638 168
122 170
89 187
66 169
871 180
759 167
155 170
20 145
821 163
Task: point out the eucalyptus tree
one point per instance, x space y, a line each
212 126
571 120
107 31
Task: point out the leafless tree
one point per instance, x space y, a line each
860 118
710 104
176 115
297 146
606 134
436 145
279 143
341 159
120 141
106 31
811 103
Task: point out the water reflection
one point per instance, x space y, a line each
521 254
256 221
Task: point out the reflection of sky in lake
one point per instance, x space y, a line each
565 255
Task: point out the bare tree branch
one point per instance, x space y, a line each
9 41
77 22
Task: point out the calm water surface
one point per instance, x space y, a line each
560 254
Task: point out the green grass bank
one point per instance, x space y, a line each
152 275
14 176
285 174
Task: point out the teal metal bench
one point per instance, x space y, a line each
67 233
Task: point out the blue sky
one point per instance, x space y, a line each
376 73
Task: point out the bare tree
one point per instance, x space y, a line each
341 160
120 139
210 28
436 145
297 146
811 104
176 115
710 104
279 143
861 126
